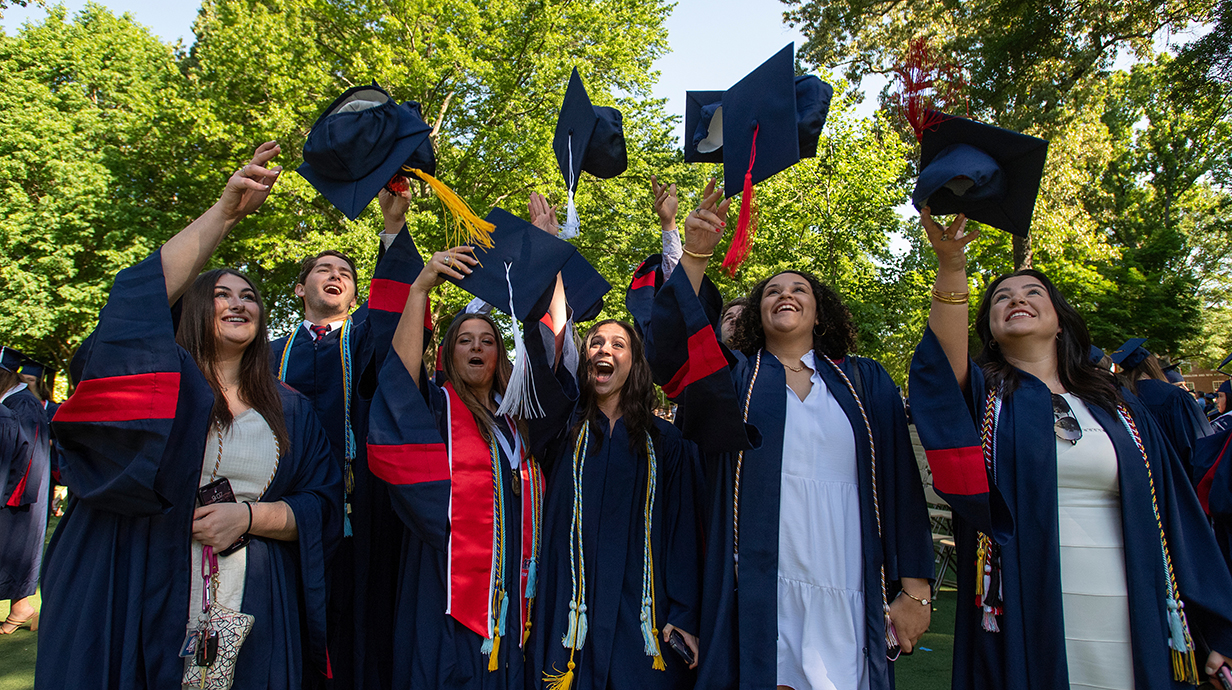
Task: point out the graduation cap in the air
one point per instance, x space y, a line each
588 139
762 125
365 140
990 174
1130 354
517 275
11 359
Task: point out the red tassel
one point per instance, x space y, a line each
747 224
923 73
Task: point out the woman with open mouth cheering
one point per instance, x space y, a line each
819 549
619 590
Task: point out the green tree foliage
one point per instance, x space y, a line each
93 118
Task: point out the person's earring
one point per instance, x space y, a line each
992 345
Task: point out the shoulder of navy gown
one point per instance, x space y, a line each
14 451
693 367
29 471
1179 419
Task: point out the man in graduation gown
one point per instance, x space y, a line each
332 358
739 603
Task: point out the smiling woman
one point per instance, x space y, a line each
1058 528
172 410
819 522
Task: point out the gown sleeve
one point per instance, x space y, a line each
391 283
15 452
693 368
556 386
114 429
683 528
1182 424
316 501
647 280
946 420
405 450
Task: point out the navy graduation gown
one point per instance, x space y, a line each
1179 418
1017 506
1212 471
14 451
23 509
363 579
739 622
132 437
406 449
613 506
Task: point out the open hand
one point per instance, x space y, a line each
453 263
704 226
949 243
249 186
542 214
666 204
219 524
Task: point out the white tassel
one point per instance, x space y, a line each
520 399
570 638
570 229
581 627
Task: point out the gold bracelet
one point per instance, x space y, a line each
923 602
695 255
951 297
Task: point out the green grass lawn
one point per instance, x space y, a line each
17 651
929 667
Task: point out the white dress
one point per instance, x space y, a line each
248 462
821 616
1094 586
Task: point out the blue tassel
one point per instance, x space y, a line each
581 636
648 639
346 526
486 647
504 611
532 578
1176 628
570 638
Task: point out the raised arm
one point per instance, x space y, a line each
185 254
947 316
702 231
409 337
543 216
666 205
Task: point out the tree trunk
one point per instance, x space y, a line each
1022 252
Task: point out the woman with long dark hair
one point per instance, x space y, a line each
620 583
465 480
819 549
1084 557
201 486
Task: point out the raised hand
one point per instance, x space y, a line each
542 214
703 228
949 243
393 208
250 186
666 204
453 263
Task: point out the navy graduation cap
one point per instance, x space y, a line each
1130 354
11 359
990 174
588 139
759 127
1224 363
365 140
525 260
1096 354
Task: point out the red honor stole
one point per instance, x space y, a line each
476 529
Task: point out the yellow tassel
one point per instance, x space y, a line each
658 662
1185 667
493 657
467 225
560 681
526 633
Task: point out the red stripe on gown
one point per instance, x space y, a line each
958 471
705 358
123 398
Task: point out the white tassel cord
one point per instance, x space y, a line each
572 225
520 399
